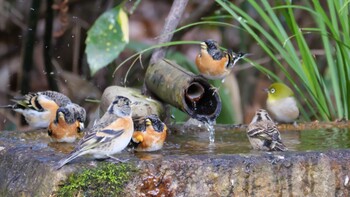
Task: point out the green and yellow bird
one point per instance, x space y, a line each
281 103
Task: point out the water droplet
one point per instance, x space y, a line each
32 9
30 29
73 35
74 17
346 180
58 57
68 45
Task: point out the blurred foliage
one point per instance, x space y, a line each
107 38
285 41
302 43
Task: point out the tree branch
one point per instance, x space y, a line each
171 22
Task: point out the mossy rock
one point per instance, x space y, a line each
107 179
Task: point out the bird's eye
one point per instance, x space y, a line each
272 90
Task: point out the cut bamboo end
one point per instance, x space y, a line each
188 92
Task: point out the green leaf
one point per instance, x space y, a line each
107 38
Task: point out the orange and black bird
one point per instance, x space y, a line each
68 124
109 135
215 64
39 109
149 135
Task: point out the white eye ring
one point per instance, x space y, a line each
272 90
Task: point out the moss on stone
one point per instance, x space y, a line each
107 179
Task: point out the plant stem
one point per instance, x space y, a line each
170 25
47 47
29 46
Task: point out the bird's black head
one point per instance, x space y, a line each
211 44
157 124
68 115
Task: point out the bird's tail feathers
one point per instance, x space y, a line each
6 106
279 146
67 159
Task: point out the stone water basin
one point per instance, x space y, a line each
317 164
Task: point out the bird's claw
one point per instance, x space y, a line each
117 160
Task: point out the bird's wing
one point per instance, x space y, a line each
102 132
28 101
57 97
92 140
265 131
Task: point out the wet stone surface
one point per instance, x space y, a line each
187 166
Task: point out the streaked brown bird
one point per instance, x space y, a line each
263 133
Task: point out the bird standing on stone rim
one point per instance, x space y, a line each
281 103
263 133
109 135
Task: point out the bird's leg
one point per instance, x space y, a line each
295 124
215 89
116 160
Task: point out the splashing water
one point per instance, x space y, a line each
210 127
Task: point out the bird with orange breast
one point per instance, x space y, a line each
149 135
68 124
213 63
109 135
39 109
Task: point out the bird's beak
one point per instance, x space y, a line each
266 90
203 45
148 122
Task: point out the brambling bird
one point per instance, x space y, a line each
149 135
281 103
263 133
39 109
110 135
67 125
213 63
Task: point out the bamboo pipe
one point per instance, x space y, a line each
188 92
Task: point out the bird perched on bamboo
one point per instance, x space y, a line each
110 134
39 109
149 135
281 103
263 133
213 63
67 125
